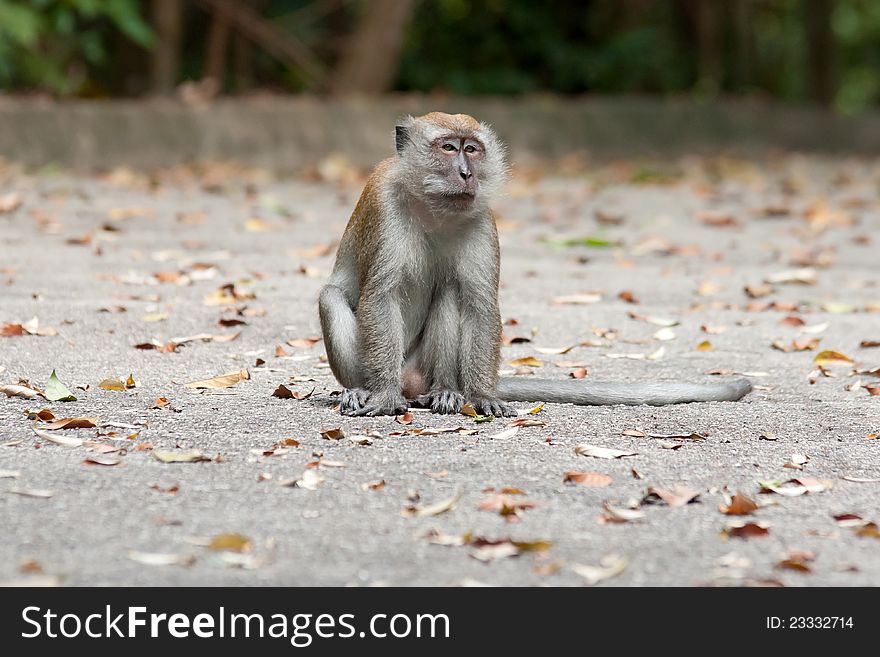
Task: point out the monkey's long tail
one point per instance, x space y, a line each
588 393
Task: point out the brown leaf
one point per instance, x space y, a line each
740 505
588 479
579 373
332 434
746 530
406 418
73 423
283 392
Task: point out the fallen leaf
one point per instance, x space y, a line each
19 391
797 560
182 456
740 505
796 487
588 479
826 358
57 391
332 434
510 432
528 361
161 558
58 439
804 276
577 299
676 496
746 530
602 452
618 514
231 542
305 343
374 485
222 381
102 460
73 423
433 509
406 418
609 566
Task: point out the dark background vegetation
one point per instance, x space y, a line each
822 51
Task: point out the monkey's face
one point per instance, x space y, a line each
451 162
455 171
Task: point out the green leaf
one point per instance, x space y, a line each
57 391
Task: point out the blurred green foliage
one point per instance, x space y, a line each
58 44
100 47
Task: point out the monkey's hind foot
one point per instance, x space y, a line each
493 406
352 400
379 404
442 401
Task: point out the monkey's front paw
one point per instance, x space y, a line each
444 401
493 406
352 400
381 404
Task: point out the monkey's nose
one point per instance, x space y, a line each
465 173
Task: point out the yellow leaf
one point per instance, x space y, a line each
230 542
705 345
831 358
222 381
529 361
112 384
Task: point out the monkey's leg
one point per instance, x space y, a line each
381 330
438 352
339 327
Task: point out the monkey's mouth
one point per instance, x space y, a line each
460 197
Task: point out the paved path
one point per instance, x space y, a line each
159 247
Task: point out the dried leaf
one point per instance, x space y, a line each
827 358
676 496
73 423
332 434
222 381
433 509
231 542
588 479
182 456
19 391
58 439
746 530
602 452
609 566
528 361
740 505
161 558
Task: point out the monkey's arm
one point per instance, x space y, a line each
589 393
480 336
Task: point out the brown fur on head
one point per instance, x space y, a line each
453 163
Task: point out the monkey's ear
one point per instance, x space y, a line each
401 136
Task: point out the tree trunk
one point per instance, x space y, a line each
168 21
218 40
820 51
370 60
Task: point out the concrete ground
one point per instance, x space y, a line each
687 236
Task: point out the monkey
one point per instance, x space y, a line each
410 311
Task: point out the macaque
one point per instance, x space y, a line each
410 312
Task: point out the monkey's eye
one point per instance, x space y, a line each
449 148
470 148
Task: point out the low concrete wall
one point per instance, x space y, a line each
288 133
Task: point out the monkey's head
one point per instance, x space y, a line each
454 162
